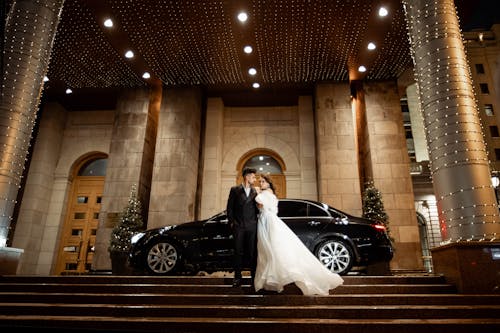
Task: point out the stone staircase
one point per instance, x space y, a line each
106 303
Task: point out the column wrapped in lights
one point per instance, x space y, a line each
458 157
30 29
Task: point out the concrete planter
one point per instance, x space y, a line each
474 267
9 260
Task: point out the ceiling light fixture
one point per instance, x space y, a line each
129 54
45 79
252 71
242 17
108 23
382 12
362 69
146 75
69 91
256 85
371 46
247 49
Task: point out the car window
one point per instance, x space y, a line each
292 208
317 211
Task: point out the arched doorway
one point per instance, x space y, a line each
82 219
266 161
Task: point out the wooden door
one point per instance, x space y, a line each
78 239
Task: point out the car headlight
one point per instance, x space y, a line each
135 238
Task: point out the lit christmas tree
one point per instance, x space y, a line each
130 223
373 207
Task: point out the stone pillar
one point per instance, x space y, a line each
458 157
417 124
211 194
308 179
387 159
36 233
338 180
175 172
129 149
29 33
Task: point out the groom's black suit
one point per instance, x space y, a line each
242 213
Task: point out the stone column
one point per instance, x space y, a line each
386 156
130 158
307 182
175 171
458 157
338 180
211 195
29 34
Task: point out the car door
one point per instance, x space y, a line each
306 220
217 241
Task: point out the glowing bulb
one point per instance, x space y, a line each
69 91
371 46
247 49
242 16
252 71
108 23
45 79
146 75
129 54
362 69
382 12
256 85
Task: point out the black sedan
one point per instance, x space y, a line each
339 240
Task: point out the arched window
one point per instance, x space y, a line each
94 168
264 164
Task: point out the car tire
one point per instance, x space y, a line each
336 255
162 258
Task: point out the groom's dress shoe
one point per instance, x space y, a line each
236 282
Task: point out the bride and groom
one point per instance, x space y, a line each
276 255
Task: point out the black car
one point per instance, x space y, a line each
339 240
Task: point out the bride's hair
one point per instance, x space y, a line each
268 179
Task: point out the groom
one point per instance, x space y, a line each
242 214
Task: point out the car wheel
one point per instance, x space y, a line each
162 258
335 255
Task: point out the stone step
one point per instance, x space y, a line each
204 280
250 300
79 324
397 288
264 311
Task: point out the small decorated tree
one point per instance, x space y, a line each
373 206
130 223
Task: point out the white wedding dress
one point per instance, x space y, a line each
282 258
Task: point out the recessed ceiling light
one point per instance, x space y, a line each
242 16
371 46
146 75
108 23
362 69
68 91
252 71
256 85
247 49
129 54
382 11
45 79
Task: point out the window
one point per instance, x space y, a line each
484 88
264 164
494 131
479 69
488 109
94 168
316 211
292 208
497 154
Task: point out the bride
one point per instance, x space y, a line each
282 258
